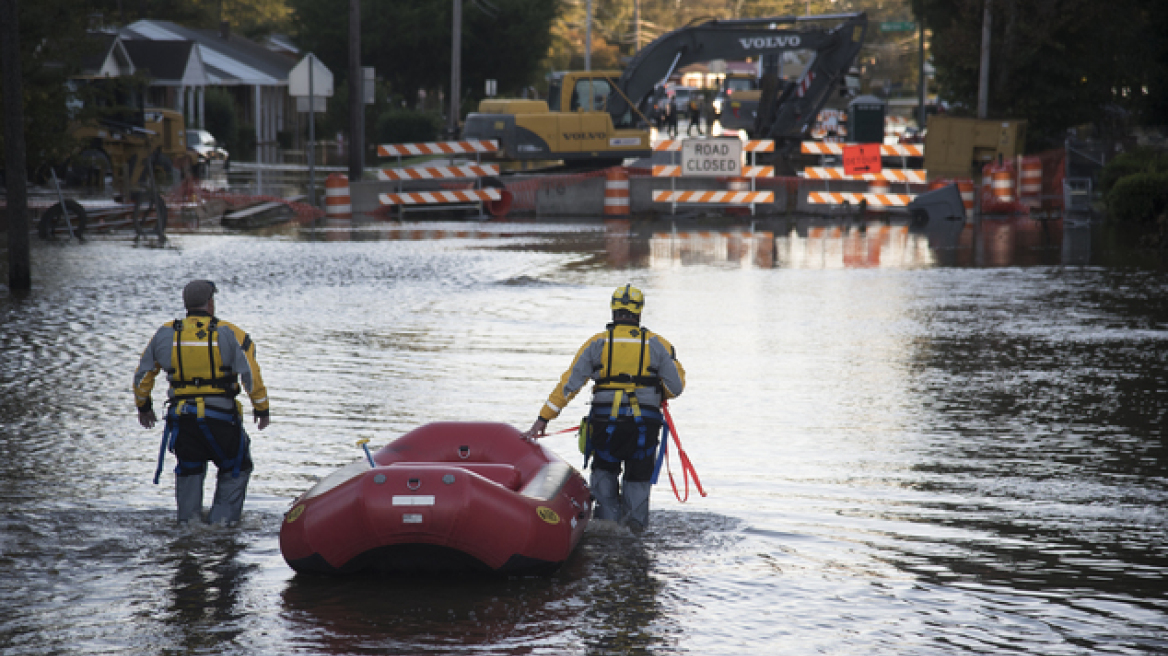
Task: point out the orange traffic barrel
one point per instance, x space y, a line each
1030 181
616 191
1002 184
337 203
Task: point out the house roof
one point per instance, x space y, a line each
168 62
105 56
229 60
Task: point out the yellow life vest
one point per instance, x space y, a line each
196 362
625 361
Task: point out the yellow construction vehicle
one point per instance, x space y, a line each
572 125
121 150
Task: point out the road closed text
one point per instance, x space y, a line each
711 157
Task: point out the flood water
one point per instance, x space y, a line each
907 449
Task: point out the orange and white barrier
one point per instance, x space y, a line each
917 176
438 172
964 186
853 198
752 146
337 201
438 148
731 197
1030 181
998 192
886 150
616 191
879 189
428 197
674 171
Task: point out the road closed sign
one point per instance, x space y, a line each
711 157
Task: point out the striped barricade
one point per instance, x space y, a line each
854 198
917 176
674 171
725 197
752 146
429 197
729 197
438 172
886 150
472 147
498 200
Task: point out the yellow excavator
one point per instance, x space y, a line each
598 118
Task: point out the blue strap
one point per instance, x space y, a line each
172 415
661 452
168 435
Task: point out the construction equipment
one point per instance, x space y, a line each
121 149
599 117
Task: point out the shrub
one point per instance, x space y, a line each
400 126
1139 198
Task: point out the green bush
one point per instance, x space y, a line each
401 126
1139 198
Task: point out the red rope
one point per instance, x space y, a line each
687 467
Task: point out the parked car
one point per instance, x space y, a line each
205 151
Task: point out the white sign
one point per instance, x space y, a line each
322 78
711 157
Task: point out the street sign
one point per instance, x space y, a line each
861 159
898 26
322 79
711 157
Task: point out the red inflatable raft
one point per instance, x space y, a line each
443 497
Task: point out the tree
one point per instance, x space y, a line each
1056 63
408 41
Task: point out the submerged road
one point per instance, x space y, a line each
907 451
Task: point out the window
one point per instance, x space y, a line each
596 89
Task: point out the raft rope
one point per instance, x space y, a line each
687 468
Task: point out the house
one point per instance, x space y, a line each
256 76
178 77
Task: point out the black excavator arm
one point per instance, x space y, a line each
835 39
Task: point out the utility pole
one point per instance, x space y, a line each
356 96
983 82
455 71
922 115
588 39
19 267
637 26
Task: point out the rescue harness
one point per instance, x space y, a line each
190 384
201 413
624 385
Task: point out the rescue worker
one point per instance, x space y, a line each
671 110
695 116
206 360
634 370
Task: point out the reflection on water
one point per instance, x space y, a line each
914 441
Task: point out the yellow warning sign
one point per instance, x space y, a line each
294 514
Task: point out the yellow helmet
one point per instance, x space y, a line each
628 298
